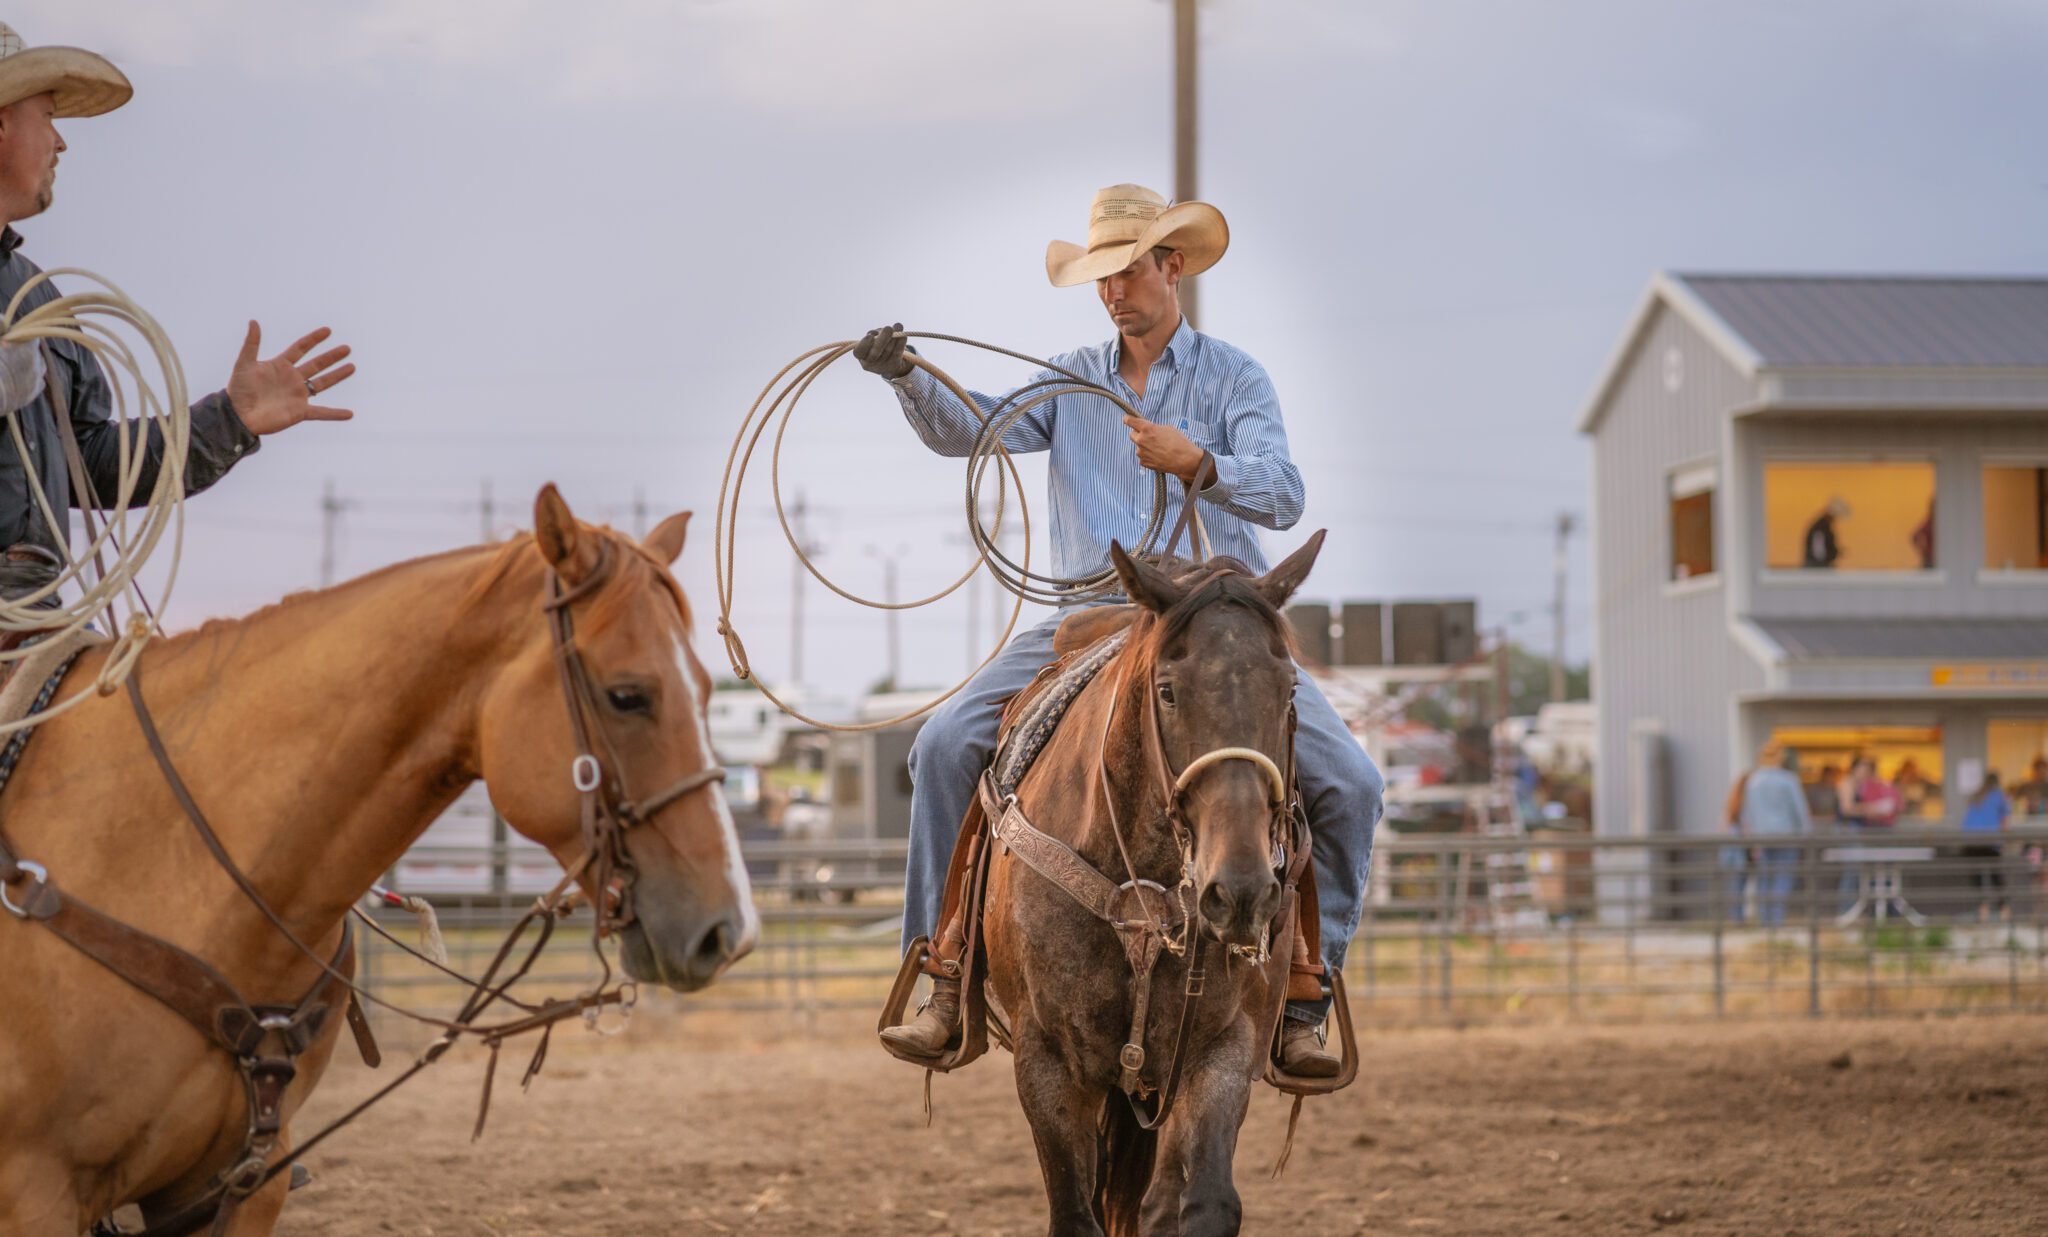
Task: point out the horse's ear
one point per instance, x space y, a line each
1277 585
568 547
667 538
1144 583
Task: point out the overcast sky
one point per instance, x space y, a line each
570 242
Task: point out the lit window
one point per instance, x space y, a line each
1692 522
1841 515
1907 759
2015 517
2018 751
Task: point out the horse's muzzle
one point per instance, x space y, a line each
688 960
1236 907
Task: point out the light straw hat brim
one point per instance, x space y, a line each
1196 229
82 83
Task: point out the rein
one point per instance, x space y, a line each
266 1040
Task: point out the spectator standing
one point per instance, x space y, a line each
2032 794
1821 800
1774 809
1738 861
1916 790
1983 820
1868 803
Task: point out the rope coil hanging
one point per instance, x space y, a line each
102 319
781 396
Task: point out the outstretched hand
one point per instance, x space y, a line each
277 394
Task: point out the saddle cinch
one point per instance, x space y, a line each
1084 644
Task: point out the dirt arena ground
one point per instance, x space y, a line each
1913 1127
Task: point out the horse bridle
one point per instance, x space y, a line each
1284 825
605 811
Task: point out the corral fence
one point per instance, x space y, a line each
1457 928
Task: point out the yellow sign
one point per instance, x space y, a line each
2032 674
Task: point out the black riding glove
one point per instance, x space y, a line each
881 351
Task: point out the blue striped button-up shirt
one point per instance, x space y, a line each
1210 391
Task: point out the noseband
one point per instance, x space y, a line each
1174 786
606 813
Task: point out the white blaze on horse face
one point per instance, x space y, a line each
735 867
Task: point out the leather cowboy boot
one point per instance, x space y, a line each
935 1025
1302 1053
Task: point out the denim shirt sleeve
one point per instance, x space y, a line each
1255 478
949 427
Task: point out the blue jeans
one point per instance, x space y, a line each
1740 876
1340 788
1774 882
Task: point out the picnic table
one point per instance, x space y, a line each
1879 883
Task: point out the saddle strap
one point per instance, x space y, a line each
1054 860
175 979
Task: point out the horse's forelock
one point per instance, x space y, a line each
1227 581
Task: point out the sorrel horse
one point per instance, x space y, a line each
323 735
1175 745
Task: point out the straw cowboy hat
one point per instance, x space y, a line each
83 84
1127 220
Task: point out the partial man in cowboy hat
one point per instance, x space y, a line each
38 86
1196 396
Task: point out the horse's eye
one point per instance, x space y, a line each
628 699
1166 692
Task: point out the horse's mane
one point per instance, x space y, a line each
301 598
506 559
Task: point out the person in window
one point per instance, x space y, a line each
1820 548
1923 539
1983 820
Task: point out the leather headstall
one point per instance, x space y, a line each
606 813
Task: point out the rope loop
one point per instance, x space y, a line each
777 403
131 525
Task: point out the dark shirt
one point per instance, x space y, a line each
1820 549
218 437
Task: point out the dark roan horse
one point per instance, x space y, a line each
1164 749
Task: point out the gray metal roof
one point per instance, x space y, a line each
1845 320
1909 639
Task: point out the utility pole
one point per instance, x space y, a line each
894 615
805 546
639 514
488 510
331 508
1184 125
1564 533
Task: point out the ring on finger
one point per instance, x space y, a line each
310 390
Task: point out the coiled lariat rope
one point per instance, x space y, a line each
782 394
132 533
